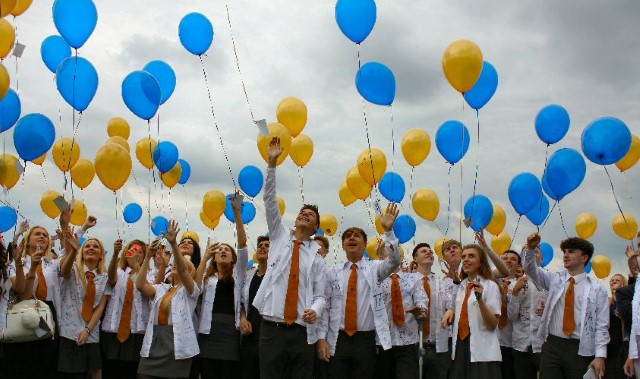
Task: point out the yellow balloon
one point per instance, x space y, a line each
6 7
7 37
9 174
255 257
357 186
437 248
21 7
416 146
498 222
426 204
346 197
120 141
586 225
83 173
66 153
292 113
113 166
372 247
172 177
282 206
40 160
213 204
209 223
372 165
379 227
301 150
48 206
632 156
501 243
79 214
601 266
118 126
144 151
462 64
275 130
625 227
329 224
5 81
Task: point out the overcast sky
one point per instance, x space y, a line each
583 55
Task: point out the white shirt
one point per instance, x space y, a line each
557 316
505 335
437 305
523 313
634 341
51 272
413 294
139 310
483 342
72 298
5 288
270 298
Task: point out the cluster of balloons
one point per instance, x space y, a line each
144 91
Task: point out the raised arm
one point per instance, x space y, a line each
236 204
485 302
142 284
541 277
71 246
209 252
393 259
179 260
113 263
501 271
274 219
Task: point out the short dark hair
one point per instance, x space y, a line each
262 239
516 254
314 208
324 241
418 247
578 243
351 230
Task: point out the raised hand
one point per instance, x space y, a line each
522 281
24 226
212 249
480 238
389 217
172 233
533 241
236 201
451 272
117 247
153 248
71 241
65 218
90 223
274 151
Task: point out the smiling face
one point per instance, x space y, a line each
263 251
354 243
452 254
616 282
38 237
186 246
425 256
134 255
511 259
92 253
574 259
471 262
307 220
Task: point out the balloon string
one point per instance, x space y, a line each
116 209
449 201
548 216
46 182
186 206
73 90
614 194
461 206
122 210
235 53
15 27
393 145
169 203
515 231
475 180
411 187
215 123
301 176
149 178
562 221
366 126
373 224
24 174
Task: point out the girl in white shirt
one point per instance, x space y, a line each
84 295
127 313
476 350
170 340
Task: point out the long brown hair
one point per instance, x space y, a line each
122 261
485 269
213 267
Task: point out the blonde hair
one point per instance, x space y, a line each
624 279
47 252
122 261
167 299
80 261
213 267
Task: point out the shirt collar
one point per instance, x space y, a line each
578 278
359 264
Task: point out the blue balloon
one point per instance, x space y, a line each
565 171
250 180
77 82
228 209
356 18
547 254
54 50
33 136
480 209
552 123
248 212
319 232
75 20
141 94
588 268
165 156
132 213
83 240
452 140
165 76
186 171
10 109
539 213
524 192
392 187
159 226
606 140
8 218
404 228
196 33
250 264
547 190
376 83
478 96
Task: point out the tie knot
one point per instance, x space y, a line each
506 283
572 280
469 286
354 266
297 242
90 275
426 278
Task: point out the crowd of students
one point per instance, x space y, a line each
202 314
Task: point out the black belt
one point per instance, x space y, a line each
282 325
429 345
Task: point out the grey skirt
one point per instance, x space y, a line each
113 349
74 359
162 360
223 341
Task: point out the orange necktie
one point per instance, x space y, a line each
502 322
427 323
41 290
89 297
124 329
463 323
163 315
291 301
568 321
396 301
351 309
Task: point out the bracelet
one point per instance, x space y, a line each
30 276
88 330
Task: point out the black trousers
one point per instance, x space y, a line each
527 363
320 367
354 357
507 362
250 359
285 349
399 362
560 359
435 365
